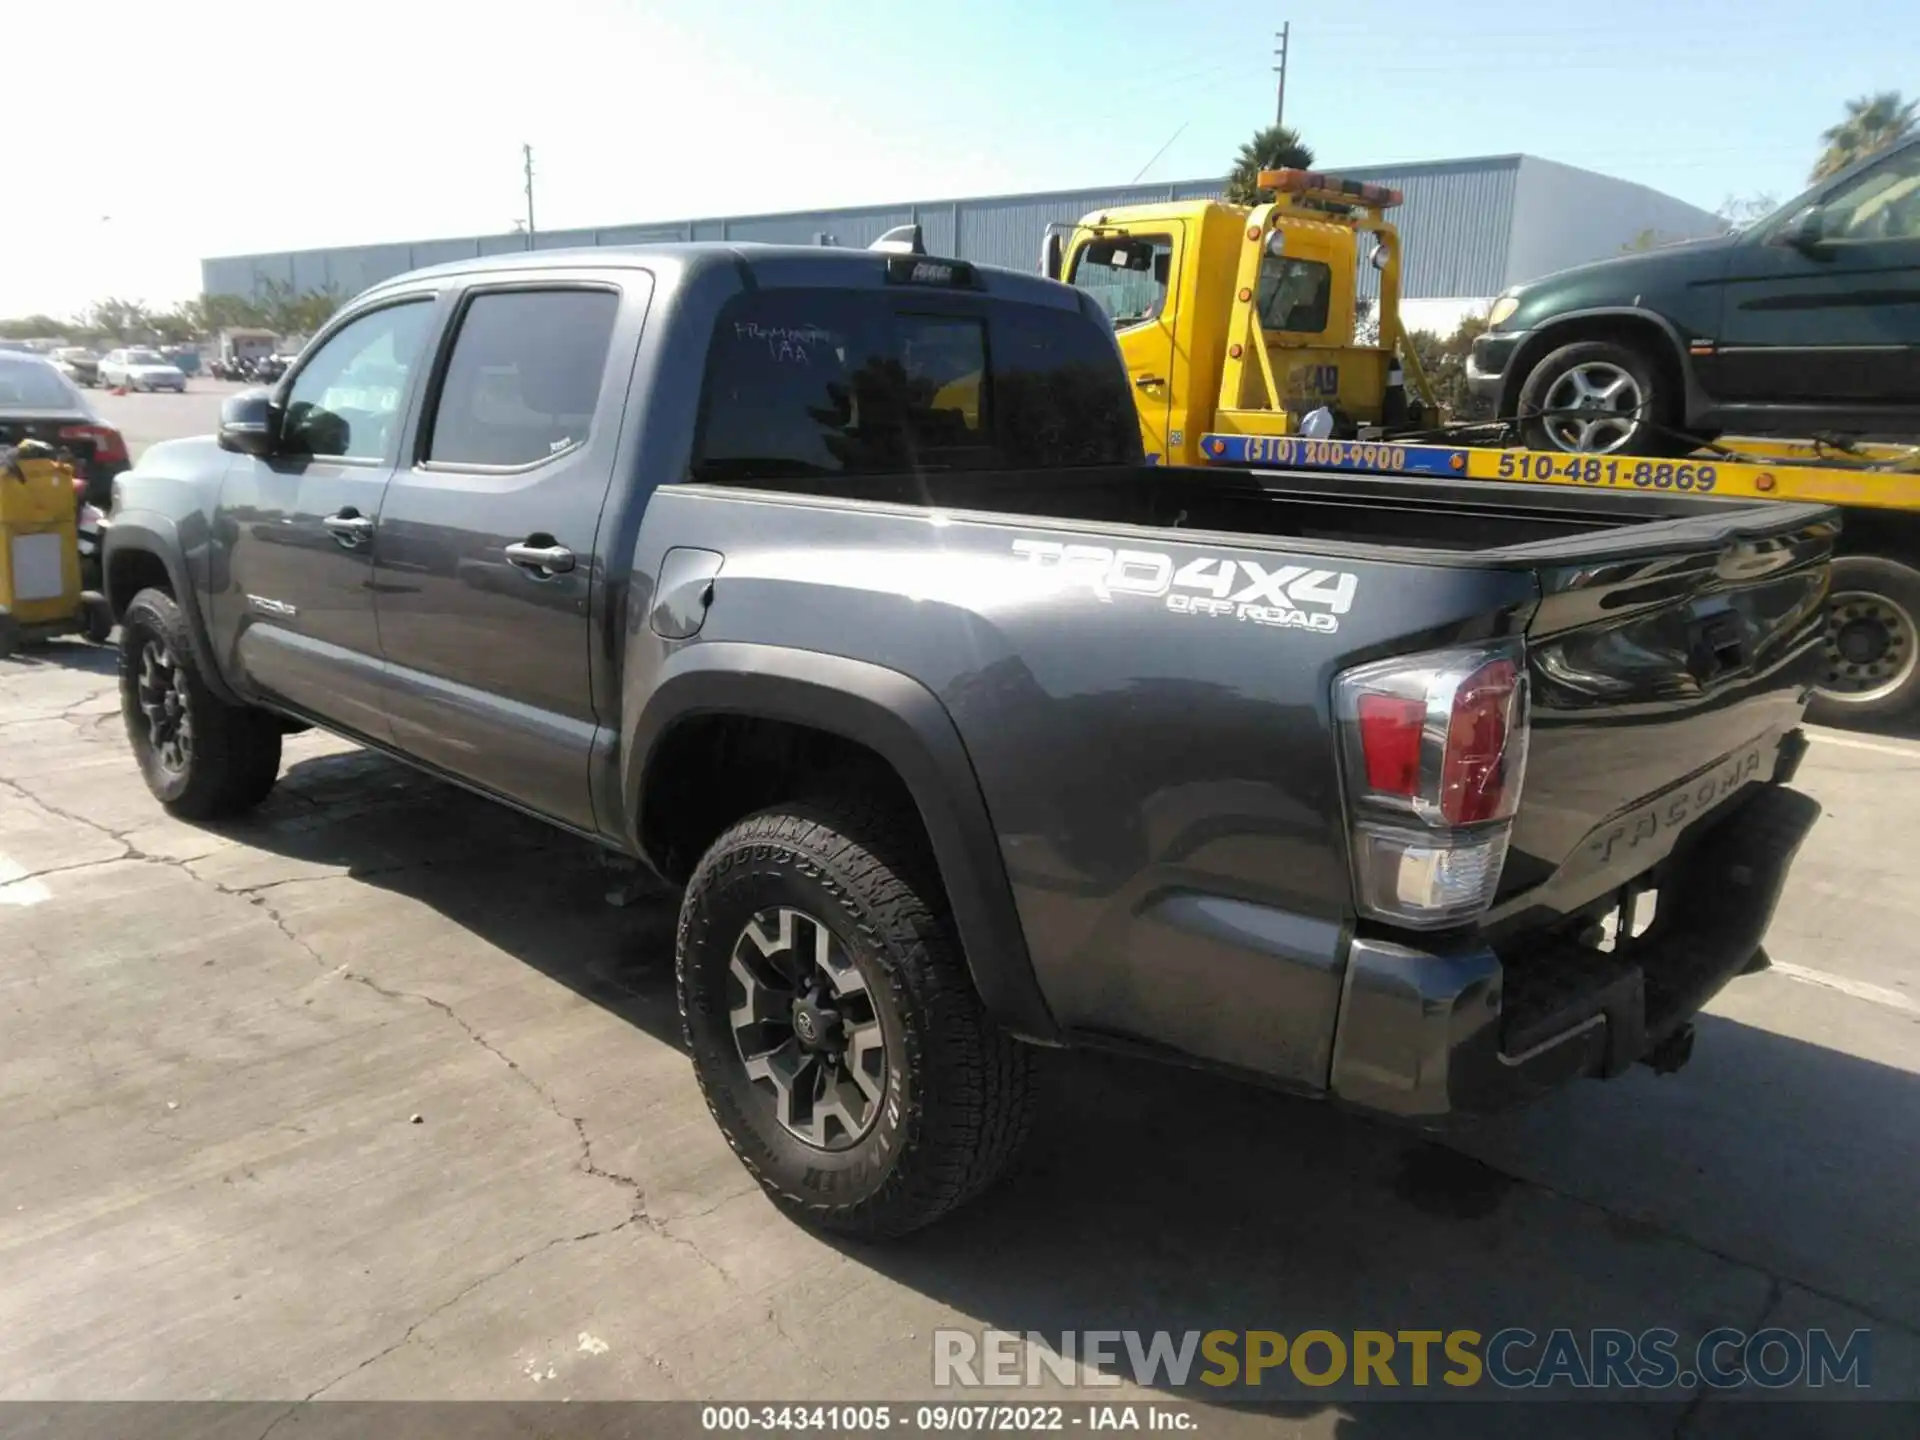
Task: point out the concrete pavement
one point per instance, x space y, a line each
214 1044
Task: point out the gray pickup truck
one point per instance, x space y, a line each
833 586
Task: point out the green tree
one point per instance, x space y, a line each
1737 212
34 327
1275 147
1872 123
1444 358
119 319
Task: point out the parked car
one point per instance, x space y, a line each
37 402
78 364
141 370
1807 322
837 589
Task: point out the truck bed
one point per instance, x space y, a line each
1415 518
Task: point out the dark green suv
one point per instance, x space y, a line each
1805 323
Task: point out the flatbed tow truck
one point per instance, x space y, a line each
1240 327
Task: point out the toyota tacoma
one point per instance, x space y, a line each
835 587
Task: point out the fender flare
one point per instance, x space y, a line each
1543 339
904 723
151 533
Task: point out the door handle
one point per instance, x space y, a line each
1147 382
349 527
545 561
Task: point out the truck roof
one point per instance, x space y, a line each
1164 210
797 264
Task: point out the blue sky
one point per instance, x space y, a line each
399 119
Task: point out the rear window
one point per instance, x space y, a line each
34 385
839 382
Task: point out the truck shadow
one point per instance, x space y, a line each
1156 1199
68 654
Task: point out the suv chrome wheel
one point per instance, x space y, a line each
806 1029
1594 408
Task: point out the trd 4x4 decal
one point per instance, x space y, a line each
1290 596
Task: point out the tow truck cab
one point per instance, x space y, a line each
1238 319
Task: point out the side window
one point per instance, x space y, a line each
345 402
1883 204
524 376
817 382
1127 277
1294 295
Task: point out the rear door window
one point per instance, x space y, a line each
524 377
836 382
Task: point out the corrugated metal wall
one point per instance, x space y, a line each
1466 231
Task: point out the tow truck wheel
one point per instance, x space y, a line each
834 1027
1597 397
1873 646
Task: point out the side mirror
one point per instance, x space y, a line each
1051 255
247 423
1806 231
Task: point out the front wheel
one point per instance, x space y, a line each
1873 648
834 1027
1598 397
201 757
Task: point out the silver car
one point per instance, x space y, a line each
137 369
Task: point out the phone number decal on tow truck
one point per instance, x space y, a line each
1385 457
1599 470
1333 454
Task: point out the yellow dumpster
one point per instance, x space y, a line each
39 554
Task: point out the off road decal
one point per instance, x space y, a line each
1291 597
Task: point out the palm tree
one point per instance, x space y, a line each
1273 148
1873 123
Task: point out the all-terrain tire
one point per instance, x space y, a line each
1657 413
232 755
958 1093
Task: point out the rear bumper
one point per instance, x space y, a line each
1434 1034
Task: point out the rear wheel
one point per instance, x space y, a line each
1873 646
201 757
834 1026
1598 397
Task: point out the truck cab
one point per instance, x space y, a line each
1242 320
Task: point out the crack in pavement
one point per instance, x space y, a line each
1683 1423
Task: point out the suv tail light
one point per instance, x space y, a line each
1434 749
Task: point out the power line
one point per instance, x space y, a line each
526 159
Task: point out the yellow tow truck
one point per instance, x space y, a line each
1241 330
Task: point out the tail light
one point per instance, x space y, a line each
1434 749
107 444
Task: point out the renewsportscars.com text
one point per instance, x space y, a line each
1514 1358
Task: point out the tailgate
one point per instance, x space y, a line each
1664 677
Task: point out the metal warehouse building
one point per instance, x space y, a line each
1472 227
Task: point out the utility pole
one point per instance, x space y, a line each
526 155
1280 54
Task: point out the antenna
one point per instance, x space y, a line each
1280 54
1161 151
